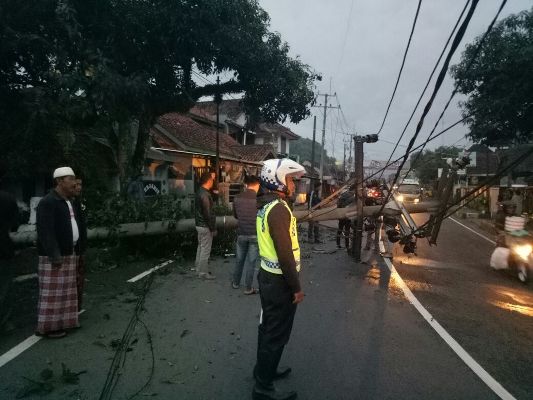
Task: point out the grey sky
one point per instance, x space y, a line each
362 54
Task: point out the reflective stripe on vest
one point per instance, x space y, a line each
267 251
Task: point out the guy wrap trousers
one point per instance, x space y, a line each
275 326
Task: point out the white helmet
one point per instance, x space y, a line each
274 172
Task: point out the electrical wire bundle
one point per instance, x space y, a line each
120 355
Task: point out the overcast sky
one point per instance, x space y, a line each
358 45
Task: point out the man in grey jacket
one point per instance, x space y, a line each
205 225
245 210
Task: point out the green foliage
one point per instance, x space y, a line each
76 76
303 147
427 164
118 209
498 83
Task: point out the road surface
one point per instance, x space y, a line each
355 335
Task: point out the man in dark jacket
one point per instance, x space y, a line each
279 284
245 210
8 222
59 239
205 221
314 227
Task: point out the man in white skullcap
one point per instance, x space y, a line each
58 242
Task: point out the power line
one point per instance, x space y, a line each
481 188
333 197
197 74
469 65
440 78
401 68
348 25
429 79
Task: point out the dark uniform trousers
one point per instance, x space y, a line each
276 326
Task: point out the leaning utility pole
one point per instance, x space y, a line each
359 191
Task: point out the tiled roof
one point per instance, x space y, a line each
255 152
269 128
192 136
233 110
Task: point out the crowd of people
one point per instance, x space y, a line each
267 235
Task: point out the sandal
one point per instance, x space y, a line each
56 334
251 291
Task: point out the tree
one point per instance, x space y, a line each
498 83
85 78
303 147
427 164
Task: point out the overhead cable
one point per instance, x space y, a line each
440 78
429 80
401 68
468 66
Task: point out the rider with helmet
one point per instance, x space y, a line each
279 285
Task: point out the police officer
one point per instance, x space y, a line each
279 285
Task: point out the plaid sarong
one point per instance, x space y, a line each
58 295
80 278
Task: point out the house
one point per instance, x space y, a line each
182 148
237 125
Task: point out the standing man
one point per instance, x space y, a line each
279 285
9 215
345 199
314 199
58 243
80 211
245 210
205 225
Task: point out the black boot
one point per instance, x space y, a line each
280 373
261 392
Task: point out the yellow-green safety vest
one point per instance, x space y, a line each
267 251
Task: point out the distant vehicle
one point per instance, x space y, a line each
409 193
373 196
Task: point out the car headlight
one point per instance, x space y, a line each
523 251
417 200
399 198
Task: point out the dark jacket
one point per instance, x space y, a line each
245 210
314 198
203 209
9 215
279 222
54 229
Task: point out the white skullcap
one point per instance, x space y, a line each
63 171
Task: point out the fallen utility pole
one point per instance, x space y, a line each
227 222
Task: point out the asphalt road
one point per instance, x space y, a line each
490 313
355 335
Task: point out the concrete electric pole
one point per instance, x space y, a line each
323 150
359 191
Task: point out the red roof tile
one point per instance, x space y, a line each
255 152
195 136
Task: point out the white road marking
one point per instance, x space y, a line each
473 231
148 272
21 347
496 387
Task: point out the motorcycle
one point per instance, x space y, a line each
514 254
